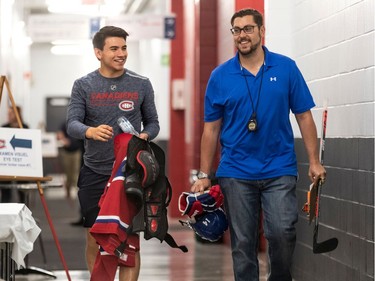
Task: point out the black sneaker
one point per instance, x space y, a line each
79 222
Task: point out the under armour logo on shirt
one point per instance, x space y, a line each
273 78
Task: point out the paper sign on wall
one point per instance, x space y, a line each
49 145
20 152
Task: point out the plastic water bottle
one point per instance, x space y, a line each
126 126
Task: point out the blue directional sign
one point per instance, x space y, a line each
22 143
94 26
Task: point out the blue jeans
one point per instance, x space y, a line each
244 200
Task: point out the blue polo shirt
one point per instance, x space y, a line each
269 151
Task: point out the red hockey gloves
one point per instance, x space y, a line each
192 204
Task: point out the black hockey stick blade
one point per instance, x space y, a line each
328 245
325 246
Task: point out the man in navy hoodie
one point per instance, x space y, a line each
97 101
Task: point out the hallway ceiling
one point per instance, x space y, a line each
51 20
127 6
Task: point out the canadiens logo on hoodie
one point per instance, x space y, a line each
126 105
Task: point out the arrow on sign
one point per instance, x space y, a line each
20 143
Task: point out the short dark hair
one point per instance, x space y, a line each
258 17
107 31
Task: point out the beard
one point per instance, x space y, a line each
252 49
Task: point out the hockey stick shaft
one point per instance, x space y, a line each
330 244
323 138
321 156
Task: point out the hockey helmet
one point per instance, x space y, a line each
209 225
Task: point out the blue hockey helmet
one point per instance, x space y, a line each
210 225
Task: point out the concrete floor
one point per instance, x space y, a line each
203 262
159 262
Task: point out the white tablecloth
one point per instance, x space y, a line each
17 226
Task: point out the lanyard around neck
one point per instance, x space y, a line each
254 114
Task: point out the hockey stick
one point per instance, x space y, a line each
330 244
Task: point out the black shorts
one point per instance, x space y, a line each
91 187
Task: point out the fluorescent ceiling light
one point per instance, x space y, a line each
70 42
84 7
71 50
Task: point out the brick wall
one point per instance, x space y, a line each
332 42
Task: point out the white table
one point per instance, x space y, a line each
37 185
18 229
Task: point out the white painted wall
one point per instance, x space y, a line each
226 48
332 42
14 56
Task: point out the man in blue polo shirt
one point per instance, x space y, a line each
247 104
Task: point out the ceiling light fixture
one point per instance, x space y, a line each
85 7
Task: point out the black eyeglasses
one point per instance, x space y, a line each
248 29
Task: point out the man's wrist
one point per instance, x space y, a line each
202 175
88 134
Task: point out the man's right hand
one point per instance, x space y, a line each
201 185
